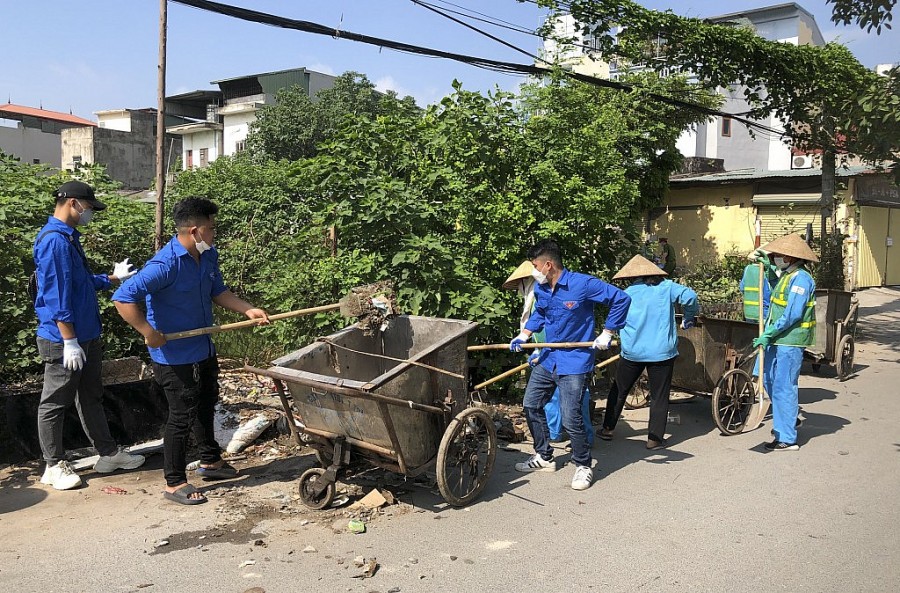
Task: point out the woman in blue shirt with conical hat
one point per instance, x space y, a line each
649 341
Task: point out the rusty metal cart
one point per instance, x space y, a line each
836 314
395 400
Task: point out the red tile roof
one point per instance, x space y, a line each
17 111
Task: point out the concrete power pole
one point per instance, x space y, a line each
161 125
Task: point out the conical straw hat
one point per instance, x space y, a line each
792 245
523 271
639 266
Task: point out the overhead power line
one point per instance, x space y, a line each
487 63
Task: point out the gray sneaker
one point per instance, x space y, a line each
121 460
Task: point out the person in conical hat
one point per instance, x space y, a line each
564 309
790 328
649 342
522 281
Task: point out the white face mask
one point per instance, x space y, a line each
541 278
202 245
780 263
85 215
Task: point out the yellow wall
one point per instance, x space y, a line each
710 230
871 246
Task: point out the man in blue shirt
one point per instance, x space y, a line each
178 287
68 337
564 310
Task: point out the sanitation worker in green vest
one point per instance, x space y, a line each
750 285
667 256
790 328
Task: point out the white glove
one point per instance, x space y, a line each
124 270
603 340
73 355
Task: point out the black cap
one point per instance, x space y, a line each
81 191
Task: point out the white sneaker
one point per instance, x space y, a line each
536 463
121 460
61 476
582 478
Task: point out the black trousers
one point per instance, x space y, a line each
192 391
659 375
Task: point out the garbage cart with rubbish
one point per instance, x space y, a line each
395 399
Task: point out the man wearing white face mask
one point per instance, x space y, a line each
790 328
179 286
68 337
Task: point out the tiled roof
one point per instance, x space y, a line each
11 111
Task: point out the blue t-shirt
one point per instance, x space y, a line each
650 333
67 290
566 314
178 293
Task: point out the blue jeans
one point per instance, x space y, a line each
541 385
781 377
554 417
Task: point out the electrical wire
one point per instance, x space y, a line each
486 63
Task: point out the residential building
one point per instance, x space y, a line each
223 127
33 135
124 141
579 54
709 215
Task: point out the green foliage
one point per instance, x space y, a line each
123 230
296 124
868 14
716 283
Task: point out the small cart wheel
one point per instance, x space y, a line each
732 400
323 458
639 396
845 352
466 456
308 480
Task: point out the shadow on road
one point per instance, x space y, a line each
16 494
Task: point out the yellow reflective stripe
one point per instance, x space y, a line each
808 324
751 289
781 302
751 302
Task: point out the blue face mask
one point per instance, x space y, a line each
780 263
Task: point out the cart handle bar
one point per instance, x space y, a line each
537 345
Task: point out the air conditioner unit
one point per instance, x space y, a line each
801 161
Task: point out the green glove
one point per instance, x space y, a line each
763 341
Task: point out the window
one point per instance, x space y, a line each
204 157
240 146
36 161
189 159
726 126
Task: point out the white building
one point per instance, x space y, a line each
230 111
577 54
33 135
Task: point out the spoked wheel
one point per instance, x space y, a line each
466 456
639 396
844 362
732 400
308 482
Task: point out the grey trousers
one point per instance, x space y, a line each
62 388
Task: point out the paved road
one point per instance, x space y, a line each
710 513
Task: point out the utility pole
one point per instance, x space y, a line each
161 125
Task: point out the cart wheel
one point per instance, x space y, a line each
732 399
466 456
308 480
323 458
639 396
844 361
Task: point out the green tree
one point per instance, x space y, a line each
296 124
868 14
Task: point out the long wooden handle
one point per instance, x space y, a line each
533 345
525 365
214 329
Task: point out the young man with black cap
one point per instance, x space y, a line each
178 288
68 337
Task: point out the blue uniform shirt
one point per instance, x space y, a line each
650 334
67 290
178 293
566 314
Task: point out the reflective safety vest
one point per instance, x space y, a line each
751 293
802 333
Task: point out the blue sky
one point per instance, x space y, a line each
90 56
